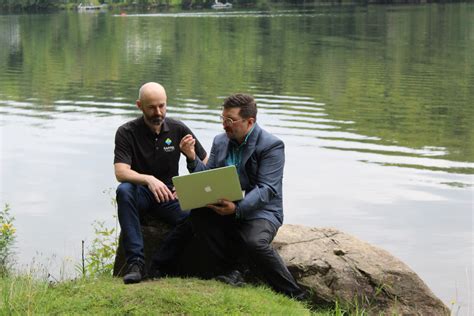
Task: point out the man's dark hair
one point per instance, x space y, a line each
246 103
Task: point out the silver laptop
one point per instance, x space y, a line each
207 187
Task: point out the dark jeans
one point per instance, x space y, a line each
134 200
230 240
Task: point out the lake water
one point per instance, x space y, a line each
375 105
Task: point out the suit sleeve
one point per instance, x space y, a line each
198 165
269 181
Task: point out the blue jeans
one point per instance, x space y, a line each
134 200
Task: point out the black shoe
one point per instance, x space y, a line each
233 278
301 297
135 273
155 273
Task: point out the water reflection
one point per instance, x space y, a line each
372 104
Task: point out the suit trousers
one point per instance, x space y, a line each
231 239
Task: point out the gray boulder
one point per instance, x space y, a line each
331 265
337 266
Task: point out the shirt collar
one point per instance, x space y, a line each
164 127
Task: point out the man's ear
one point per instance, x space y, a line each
139 104
251 121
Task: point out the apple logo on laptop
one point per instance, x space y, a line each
207 188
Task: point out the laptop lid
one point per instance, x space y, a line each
207 187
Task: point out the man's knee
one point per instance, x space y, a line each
257 244
257 236
125 191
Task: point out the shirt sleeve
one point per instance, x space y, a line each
123 148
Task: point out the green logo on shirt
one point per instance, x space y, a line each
168 148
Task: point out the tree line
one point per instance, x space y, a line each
71 4
39 5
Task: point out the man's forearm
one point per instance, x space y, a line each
131 176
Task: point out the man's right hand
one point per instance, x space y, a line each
124 173
159 190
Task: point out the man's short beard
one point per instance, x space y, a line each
156 120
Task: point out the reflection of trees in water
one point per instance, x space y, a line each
10 34
398 75
10 43
139 44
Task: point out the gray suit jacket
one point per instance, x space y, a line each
260 173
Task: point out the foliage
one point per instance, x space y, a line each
99 260
32 5
107 295
101 254
7 241
29 4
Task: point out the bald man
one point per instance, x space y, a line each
146 158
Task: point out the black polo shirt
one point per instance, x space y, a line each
150 153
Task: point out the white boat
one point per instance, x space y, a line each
219 5
90 7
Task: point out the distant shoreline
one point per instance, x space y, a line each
51 6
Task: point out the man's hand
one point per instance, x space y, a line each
159 190
186 145
223 207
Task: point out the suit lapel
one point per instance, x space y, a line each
251 144
222 154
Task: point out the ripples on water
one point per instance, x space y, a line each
286 115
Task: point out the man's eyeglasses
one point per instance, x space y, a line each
229 121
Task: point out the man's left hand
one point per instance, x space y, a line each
186 145
223 207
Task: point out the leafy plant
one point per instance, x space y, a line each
7 241
99 259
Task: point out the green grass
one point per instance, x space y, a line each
107 295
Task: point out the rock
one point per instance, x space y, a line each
337 266
332 265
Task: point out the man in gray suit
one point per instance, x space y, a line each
246 227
